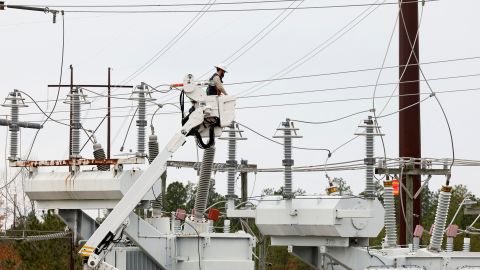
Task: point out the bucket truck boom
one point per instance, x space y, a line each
207 117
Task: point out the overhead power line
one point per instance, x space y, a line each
320 47
241 10
168 5
474 89
348 71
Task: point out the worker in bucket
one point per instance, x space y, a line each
216 82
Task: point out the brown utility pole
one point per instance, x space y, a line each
109 115
409 119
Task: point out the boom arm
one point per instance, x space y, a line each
206 107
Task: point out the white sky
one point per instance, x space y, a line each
30 47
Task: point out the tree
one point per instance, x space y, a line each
342 186
9 257
45 254
2 217
175 197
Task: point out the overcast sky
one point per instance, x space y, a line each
31 50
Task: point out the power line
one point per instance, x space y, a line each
166 5
347 71
279 143
172 42
258 35
331 121
353 87
270 105
320 47
244 9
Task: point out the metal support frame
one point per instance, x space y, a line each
410 193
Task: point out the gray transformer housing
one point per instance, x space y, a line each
322 216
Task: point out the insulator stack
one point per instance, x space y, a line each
231 162
289 133
369 152
440 218
449 245
466 244
152 148
226 226
417 235
369 133
452 232
76 98
390 220
210 227
234 135
204 183
142 95
14 100
99 153
416 244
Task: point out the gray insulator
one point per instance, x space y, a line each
369 151
141 124
390 220
440 220
76 125
152 154
416 244
99 153
466 244
204 183
152 148
14 132
287 148
226 226
210 226
232 149
449 245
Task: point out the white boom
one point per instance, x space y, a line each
206 108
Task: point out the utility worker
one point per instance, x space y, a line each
216 82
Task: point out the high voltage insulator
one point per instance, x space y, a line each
289 133
76 98
201 197
99 153
143 95
440 218
466 244
390 220
14 100
234 135
370 133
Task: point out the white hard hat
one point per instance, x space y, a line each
222 67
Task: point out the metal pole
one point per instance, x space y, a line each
409 119
244 182
109 114
14 209
262 252
71 92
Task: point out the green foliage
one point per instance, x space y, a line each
175 197
47 254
